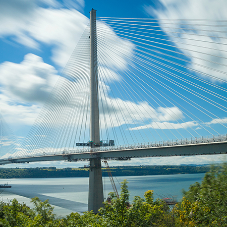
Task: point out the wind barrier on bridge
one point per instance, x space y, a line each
208 140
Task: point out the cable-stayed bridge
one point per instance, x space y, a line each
134 88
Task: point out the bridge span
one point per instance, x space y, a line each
128 153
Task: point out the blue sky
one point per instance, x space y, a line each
38 37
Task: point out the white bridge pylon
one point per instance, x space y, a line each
95 197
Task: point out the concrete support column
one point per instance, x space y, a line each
94 107
95 198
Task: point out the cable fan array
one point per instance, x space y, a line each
8 142
63 120
158 81
167 88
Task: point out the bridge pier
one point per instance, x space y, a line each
95 197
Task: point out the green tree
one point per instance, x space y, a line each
205 204
44 212
16 214
202 205
87 219
141 212
115 213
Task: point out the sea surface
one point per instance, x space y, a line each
71 194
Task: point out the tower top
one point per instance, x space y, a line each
93 10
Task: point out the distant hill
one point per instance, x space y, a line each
52 172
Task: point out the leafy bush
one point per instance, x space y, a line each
205 204
202 205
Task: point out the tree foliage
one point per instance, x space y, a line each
141 212
205 204
202 205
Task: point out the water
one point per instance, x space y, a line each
71 194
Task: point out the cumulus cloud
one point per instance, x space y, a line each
24 87
218 121
30 81
127 112
29 24
168 114
166 125
197 39
60 28
79 4
16 113
53 3
16 15
112 50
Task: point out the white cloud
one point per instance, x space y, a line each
218 121
167 125
30 24
107 75
119 112
16 15
22 85
53 3
30 81
18 114
24 39
79 4
61 28
169 114
112 50
202 53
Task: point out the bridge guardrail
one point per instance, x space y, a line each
186 141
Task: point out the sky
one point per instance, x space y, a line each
38 37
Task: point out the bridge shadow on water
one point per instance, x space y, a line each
58 195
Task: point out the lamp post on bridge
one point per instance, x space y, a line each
95 197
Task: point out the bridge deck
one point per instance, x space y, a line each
162 151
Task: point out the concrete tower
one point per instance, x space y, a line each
95 198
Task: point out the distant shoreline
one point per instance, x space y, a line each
52 172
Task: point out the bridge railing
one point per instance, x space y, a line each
183 142
186 141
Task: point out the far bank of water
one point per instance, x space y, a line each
71 194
